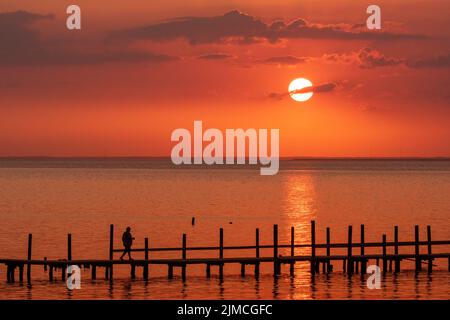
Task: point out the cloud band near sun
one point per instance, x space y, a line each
320 88
247 29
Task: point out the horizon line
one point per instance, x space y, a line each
291 158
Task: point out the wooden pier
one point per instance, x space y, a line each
320 257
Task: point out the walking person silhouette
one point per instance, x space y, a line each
127 240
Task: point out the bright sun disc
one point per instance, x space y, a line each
297 85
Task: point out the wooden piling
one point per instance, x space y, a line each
208 270
63 273
430 260
21 273
183 252
145 269
69 247
362 240
45 264
170 271
291 270
94 272
313 247
50 273
242 269
384 254
276 270
257 252
133 270
221 253
328 250
417 250
30 242
349 251
397 259
13 273
363 260
111 252
10 273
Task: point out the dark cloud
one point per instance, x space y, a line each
369 58
16 35
285 60
248 29
23 17
215 56
325 87
22 44
441 61
19 21
125 56
276 95
320 88
366 58
201 29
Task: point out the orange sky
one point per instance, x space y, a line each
136 71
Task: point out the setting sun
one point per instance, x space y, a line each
295 88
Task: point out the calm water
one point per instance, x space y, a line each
51 198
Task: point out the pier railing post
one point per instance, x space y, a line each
183 257
397 260
384 254
145 271
313 247
221 253
417 249
328 250
349 251
30 242
430 259
69 256
257 252
292 250
275 250
221 243
363 259
111 251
